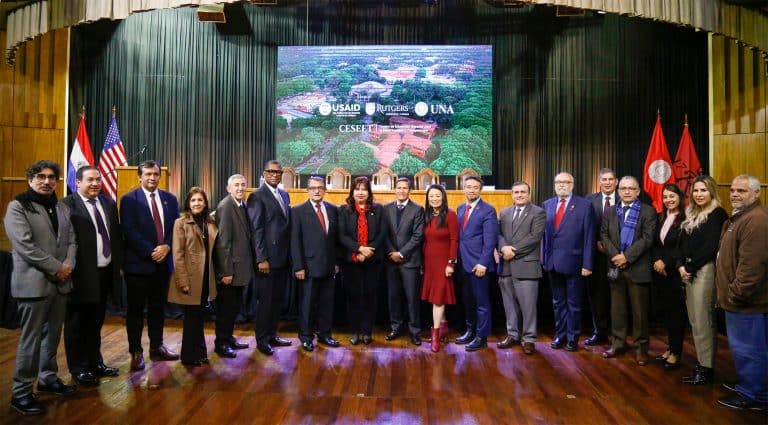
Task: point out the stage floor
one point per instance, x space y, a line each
386 382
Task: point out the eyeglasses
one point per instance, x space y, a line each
315 189
44 177
275 172
627 188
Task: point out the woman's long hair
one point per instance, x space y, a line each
695 215
194 190
428 216
674 188
362 180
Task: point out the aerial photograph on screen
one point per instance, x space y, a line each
364 108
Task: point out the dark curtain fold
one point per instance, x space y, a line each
573 94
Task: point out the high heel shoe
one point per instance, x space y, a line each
662 358
434 342
354 339
443 331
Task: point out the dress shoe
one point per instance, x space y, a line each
237 345
162 353
137 361
596 339
477 344
730 387
529 348
367 339
557 344
434 340
102 370
468 337
56 387
672 365
701 375
508 342
27 405
741 403
415 339
279 342
328 341
308 346
265 349
205 360
225 351
571 346
613 352
86 378
354 339
661 358
392 335
641 358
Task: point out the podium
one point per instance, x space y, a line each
128 180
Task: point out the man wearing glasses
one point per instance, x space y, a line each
44 249
313 254
627 233
269 213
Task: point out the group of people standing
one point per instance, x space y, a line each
68 256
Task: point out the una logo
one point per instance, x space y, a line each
421 109
325 108
370 108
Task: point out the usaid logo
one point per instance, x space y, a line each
325 108
370 108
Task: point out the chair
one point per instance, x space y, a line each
290 179
384 177
424 178
338 178
465 173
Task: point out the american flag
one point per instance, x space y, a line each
113 155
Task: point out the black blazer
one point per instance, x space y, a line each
270 227
86 288
700 246
668 252
407 237
377 232
312 250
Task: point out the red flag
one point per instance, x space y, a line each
686 165
658 166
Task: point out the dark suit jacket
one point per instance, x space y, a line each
232 253
86 287
478 240
571 247
139 230
270 227
668 252
639 253
377 232
525 235
407 237
597 203
311 249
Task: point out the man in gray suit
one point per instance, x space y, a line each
44 249
405 219
234 264
627 233
521 227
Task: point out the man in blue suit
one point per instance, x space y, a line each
146 218
568 251
478 236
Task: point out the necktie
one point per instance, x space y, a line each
607 205
106 246
321 217
400 209
516 215
559 214
466 217
156 219
280 200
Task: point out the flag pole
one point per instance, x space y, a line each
114 111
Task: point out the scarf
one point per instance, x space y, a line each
629 224
362 227
48 202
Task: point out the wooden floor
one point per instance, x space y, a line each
385 382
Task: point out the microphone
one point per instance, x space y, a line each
138 153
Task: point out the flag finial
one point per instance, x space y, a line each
658 113
685 116
82 111
114 111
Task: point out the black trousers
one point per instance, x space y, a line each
228 299
193 333
270 290
672 300
150 290
316 296
82 328
404 293
360 283
468 299
599 293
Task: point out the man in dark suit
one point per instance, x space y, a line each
147 215
521 227
627 233
478 236
313 255
234 264
406 232
598 289
269 213
97 271
569 246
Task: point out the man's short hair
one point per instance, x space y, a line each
39 166
522 183
606 170
150 163
235 176
272 162
83 169
754 182
317 179
403 179
475 178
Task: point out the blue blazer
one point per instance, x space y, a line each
571 247
478 240
139 230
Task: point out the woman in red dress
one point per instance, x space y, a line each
441 240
